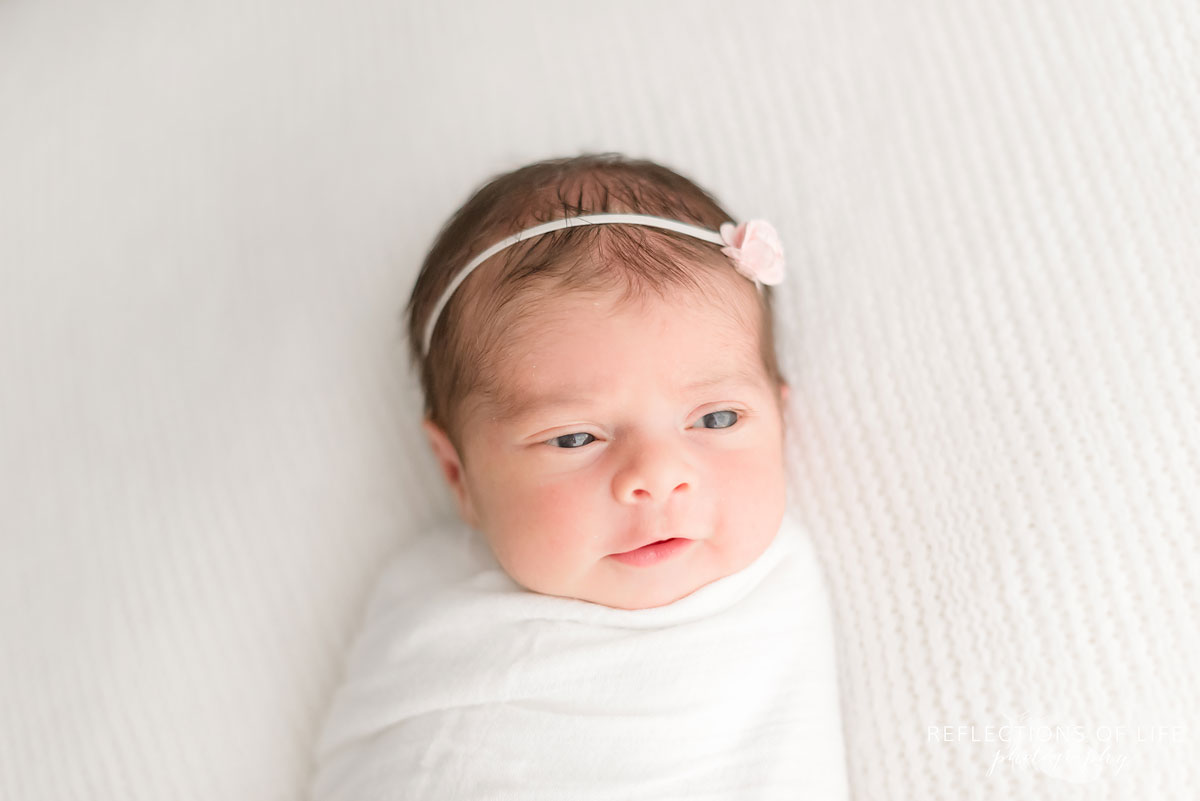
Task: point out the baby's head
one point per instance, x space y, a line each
600 387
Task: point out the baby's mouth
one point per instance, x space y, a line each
653 552
648 544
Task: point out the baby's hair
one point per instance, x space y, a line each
474 331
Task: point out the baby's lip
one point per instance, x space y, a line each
648 542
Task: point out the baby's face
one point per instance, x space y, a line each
631 425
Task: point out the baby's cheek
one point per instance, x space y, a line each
543 530
539 509
753 472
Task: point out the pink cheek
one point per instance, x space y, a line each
565 501
554 501
750 475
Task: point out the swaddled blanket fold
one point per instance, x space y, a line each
465 685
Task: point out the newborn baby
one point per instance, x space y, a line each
626 607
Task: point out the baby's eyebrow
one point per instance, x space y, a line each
515 406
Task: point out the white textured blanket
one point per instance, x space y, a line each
464 685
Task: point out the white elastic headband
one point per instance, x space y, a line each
587 219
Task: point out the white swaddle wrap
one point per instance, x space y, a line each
465 685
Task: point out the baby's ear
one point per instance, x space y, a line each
451 466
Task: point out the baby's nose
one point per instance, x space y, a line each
652 471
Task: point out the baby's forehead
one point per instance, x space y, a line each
727 307
556 336
594 326
542 378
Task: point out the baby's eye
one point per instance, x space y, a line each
725 418
573 441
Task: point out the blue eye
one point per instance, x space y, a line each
571 438
728 416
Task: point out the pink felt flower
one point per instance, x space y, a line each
755 250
